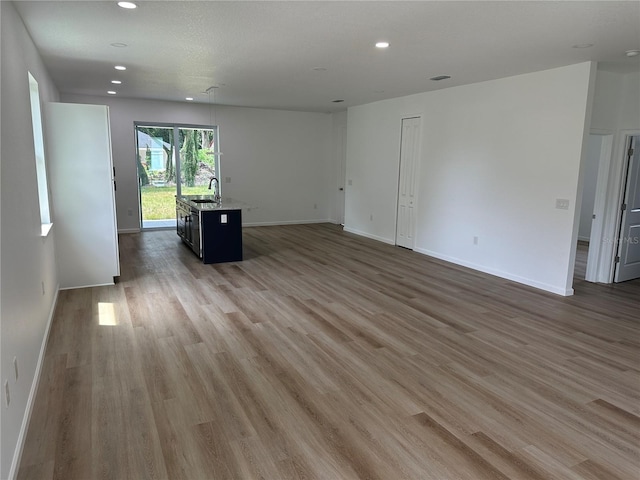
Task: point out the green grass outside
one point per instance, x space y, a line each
159 203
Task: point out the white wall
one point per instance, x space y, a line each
592 162
280 162
616 101
480 174
27 258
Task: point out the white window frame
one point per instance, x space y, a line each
40 159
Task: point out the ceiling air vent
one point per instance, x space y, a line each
440 77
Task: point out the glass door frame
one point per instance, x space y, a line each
176 152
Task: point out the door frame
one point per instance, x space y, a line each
597 226
175 127
623 200
605 264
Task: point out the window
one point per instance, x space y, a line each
41 168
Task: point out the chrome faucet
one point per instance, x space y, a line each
216 197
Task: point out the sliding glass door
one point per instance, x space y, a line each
165 171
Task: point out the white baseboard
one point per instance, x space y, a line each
499 273
17 456
369 235
285 222
108 284
129 230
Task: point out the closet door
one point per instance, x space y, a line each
409 156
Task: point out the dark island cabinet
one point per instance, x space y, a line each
221 236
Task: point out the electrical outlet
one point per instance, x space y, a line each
315 206
371 217
15 367
227 179
562 203
7 396
350 182
42 284
130 212
475 240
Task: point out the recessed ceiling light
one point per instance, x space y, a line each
632 53
382 45
582 45
116 82
111 92
118 45
337 101
440 77
189 99
127 5
120 67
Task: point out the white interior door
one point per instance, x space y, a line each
409 151
628 258
342 157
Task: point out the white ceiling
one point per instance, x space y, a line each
263 53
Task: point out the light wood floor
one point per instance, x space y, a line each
328 356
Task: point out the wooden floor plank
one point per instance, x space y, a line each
324 355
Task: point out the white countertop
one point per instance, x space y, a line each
225 203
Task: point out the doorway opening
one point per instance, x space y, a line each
173 160
592 212
614 239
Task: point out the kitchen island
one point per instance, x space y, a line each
211 227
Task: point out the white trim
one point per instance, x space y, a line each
17 455
286 222
129 230
498 273
369 235
89 286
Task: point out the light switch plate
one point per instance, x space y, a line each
562 203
